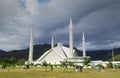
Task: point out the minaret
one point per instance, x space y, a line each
83 45
30 60
52 43
71 38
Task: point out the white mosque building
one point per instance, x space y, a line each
59 53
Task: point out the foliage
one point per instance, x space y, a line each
21 62
37 65
31 64
12 60
9 61
67 63
71 64
55 65
4 61
86 61
64 64
110 65
44 63
99 66
117 57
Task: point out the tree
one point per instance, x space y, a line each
71 64
56 65
21 62
99 66
44 63
117 57
86 61
5 61
12 60
64 64
110 65
8 61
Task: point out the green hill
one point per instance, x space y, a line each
117 57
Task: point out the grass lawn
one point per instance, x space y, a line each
36 72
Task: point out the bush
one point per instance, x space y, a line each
99 66
110 65
44 63
64 64
9 61
86 61
21 62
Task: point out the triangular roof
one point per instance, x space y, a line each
60 50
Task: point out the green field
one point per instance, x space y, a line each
36 72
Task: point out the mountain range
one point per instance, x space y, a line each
40 49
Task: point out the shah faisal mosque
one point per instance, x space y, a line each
59 53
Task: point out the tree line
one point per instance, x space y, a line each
12 61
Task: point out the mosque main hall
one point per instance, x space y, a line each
59 53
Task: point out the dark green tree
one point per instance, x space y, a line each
5 61
110 65
45 64
64 64
12 60
21 62
71 64
86 61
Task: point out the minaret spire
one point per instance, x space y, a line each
30 60
52 43
71 38
83 45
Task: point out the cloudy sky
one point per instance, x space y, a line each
99 19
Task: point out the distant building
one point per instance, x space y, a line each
56 55
60 53
103 63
